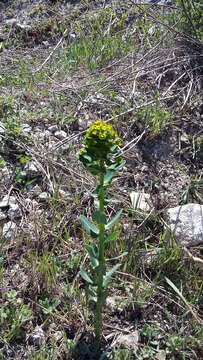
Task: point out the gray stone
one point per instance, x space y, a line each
31 169
129 341
11 22
2 215
114 303
120 99
37 338
65 195
53 128
26 128
7 201
47 134
145 168
9 230
184 138
152 30
42 135
31 204
97 98
43 196
58 336
186 224
14 212
72 35
60 134
35 190
5 173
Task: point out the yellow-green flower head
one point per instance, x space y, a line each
99 139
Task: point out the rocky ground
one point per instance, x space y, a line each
63 65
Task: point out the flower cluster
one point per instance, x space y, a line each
99 140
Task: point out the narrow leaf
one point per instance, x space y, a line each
93 255
92 250
108 177
92 292
113 221
87 157
85 275
109 275
116 167
94 262
179 293
118 257
89 227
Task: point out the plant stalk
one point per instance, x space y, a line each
101 268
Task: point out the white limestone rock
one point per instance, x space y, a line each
186 224
60 134
9 230
43 196
26 128
37 338
7 201
2 215
31 169
53 128
14 212
129 341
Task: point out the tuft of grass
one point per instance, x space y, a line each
156 118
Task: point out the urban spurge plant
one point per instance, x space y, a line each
100 155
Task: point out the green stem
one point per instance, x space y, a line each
101 268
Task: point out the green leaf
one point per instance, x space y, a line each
85 275
113 221
118 257
112 237
94 262
92 292
114 148
89 227
93 250
99 217
87 157
108 177
179 293
116 166
109 275
93 255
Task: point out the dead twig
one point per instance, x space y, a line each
133 143
194 258
51 53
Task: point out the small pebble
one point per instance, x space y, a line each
14 212
43 196
31 169
60 134
9 230
53 128
2 215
